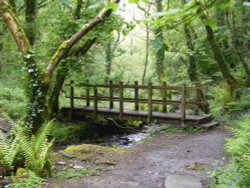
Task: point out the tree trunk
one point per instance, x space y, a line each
38 87
30 16
160 53
236 35
190 36
61 76
40 80
146 55
109 58
78 9
218 56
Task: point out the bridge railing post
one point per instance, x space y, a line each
71 98
183 104
136 92
121 88
164 97
87 93
95 101
111 94
198 98
150 98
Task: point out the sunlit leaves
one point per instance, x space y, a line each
133 1
247 4
112 5
211 23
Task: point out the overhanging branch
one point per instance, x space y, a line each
15 28
66 46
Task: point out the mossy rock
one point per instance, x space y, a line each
93 153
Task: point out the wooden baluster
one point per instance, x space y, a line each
95 101
150 98
136 96
87 93
121 101
71 99
111 94
164 97
183 104
198 98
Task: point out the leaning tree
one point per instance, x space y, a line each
43 84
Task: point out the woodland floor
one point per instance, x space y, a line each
148 163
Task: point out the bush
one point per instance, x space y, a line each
13 102
237 173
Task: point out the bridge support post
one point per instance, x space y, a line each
111 94
164 97
95 101
136 96
183 104
71 99
87 93
150 98
121 101
198 98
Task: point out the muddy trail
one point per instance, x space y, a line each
147 164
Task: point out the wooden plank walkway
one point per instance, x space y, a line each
135 115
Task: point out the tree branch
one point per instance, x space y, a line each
15 28
66 46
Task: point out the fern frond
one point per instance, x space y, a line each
41 137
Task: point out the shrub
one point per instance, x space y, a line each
237 173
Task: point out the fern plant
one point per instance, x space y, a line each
9 146
36 149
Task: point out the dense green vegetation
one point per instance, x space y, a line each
45 44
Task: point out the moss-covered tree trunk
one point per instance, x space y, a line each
160 51
40 81
190 38
61 76
30 16
146 55
108 59
218 55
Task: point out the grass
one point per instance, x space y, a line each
75 173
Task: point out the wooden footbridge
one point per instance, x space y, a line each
137 102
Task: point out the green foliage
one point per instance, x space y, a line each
75 173
12 100
237 173
240 104
221 97
32 181
9 146
61 132
36 149
33 149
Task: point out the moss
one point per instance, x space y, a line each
78 150
93 153
60 50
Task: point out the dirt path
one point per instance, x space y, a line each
150 162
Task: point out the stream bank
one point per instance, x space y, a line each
148 163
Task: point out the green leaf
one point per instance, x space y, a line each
211 23
134 1
112 5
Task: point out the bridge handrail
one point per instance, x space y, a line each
136 100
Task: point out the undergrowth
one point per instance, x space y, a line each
236 173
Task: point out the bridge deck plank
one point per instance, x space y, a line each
157 115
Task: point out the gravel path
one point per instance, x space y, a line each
150 162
